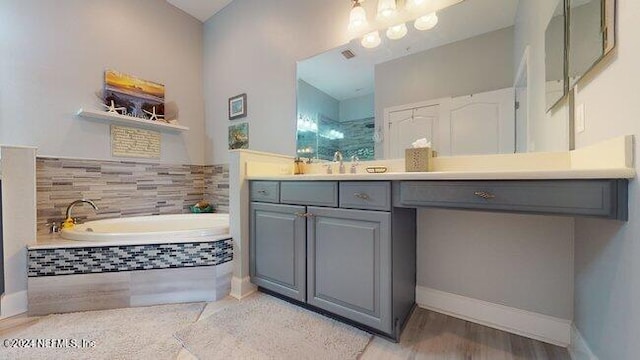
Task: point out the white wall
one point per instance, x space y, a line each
252 46
54 54
607 268
548 131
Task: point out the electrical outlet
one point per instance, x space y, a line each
580 119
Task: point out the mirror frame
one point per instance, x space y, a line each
609 25
565 62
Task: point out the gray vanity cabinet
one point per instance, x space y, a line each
277 251
349 264
336 247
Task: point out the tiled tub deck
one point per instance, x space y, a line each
77 277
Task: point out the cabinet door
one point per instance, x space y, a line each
349 265
277 248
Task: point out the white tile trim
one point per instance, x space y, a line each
241 288
521 322
13 304
579 349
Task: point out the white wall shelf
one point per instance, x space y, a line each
130 120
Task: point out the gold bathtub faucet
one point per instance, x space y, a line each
69 221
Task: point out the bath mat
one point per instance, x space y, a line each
132 333
264 327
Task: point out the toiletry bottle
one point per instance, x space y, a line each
297 166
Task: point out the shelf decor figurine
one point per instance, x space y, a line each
153 116
121 110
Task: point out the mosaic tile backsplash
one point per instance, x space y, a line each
92 260
125 188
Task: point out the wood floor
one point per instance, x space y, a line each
430 335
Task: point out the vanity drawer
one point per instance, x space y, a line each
564 197
318 193
265 191
370 195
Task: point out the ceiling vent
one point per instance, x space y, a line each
348 54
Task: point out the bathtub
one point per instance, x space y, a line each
150 229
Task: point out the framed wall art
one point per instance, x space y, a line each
238 107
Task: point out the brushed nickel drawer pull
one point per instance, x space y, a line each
361 196
485 195
301 214
263 192
309 215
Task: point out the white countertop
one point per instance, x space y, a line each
622 173
55 241
610 159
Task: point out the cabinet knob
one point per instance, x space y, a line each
485 195
361 196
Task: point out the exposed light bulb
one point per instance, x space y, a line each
397 31
426 22
357 17
387 9
371 40
414 5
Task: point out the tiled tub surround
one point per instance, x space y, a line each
125 188
67 279
216 184
91 260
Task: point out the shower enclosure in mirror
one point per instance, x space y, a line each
479 82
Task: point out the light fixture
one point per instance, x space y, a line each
426 22
415 5
371 40
357 17
387 9
397 31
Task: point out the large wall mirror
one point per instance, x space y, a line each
592 35
471 85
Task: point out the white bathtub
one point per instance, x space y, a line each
151 229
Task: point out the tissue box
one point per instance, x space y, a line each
417 160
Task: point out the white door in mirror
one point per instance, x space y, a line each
477 124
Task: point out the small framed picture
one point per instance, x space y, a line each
239 136
238 107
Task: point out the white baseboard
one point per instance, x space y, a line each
13 304
241 288
521 322
579 349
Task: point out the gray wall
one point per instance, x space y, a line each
54 54
357 108
522 261
252 46
312 102
478 64
607 269
277 33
